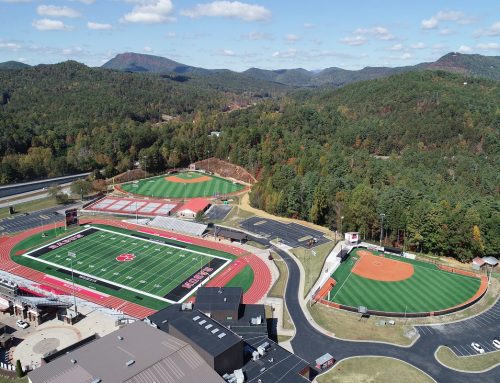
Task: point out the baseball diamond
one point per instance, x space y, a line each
388 283
182 185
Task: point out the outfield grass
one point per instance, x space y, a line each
243 279
156 270
374 370
472 363
4 379
160 187
428 289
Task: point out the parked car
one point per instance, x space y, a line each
21 323
477 347
496 343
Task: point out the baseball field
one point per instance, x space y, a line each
182 185
390 283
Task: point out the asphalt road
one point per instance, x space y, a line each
309 343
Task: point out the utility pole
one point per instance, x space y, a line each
382 215
72 255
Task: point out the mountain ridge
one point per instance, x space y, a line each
470 64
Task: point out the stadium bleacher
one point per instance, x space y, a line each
178 225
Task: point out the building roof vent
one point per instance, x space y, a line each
120 337
130 362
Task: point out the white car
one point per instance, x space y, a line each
21 323
477 347
496 343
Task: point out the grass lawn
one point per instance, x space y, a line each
243 279
161 187
4 379
312 264
152 277
428 289
348 325
278 289
374 370
467 363
26 207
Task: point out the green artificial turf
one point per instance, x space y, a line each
243 279
160 187
155 271
428 289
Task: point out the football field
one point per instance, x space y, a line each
182 185
427 288
114 260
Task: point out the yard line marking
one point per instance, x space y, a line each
455 348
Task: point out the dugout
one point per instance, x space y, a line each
393 250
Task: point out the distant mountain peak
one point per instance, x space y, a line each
13 65
139 62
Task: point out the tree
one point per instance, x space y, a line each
19 369
81 187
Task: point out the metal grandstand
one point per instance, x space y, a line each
178 225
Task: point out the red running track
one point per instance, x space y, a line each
262 275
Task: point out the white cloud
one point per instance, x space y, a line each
406 56
419 45
85 1
453 16
76 51
50 25
431 23
464 49
98 26
489 46
231 9
54 11
290 53
396 47
292 38
446 31
227 52
147 49
354 40
15 1
10 46
309 25
494 30
171 35
257 36
150 12
379 32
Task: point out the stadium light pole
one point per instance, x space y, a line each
382 215
72 255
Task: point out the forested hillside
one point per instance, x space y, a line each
420 147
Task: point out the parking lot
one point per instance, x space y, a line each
459 336
290 234
218 212
24 221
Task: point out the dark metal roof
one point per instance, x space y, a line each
243 326
137 353
232 234
200 329
277 365
210 299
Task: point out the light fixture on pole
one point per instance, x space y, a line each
72 255
382 215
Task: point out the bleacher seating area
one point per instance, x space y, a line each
178 225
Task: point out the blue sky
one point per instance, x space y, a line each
238 35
